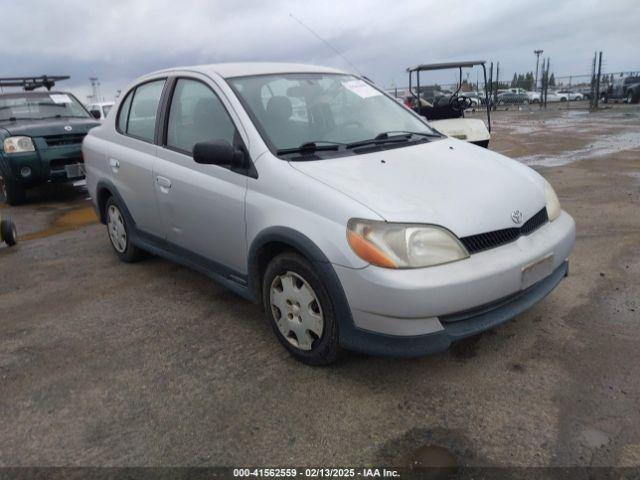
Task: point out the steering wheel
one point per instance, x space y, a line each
460 103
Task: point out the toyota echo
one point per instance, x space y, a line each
354 223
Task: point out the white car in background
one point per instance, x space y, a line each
534 97
570 95
100 110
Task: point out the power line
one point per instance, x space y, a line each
326 43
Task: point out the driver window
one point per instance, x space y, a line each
196 115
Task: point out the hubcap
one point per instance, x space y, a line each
117 232
296 309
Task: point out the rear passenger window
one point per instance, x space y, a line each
143 111
197 114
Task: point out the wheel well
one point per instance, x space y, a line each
103 195
263 256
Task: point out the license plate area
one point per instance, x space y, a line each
536 271
74 170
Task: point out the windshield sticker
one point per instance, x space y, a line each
360 88
60 98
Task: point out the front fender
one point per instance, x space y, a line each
313 253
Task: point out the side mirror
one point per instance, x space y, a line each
217 152
95 114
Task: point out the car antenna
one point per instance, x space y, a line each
327 44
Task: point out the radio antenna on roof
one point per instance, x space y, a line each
326 43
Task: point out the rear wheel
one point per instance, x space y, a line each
8 232
300 310
119 233
13 192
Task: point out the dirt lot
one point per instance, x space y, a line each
104 363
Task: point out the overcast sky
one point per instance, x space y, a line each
118 40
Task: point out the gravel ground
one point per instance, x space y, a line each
105 363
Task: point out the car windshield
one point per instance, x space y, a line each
39 105
298 109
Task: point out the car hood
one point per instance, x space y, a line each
460 186
48 126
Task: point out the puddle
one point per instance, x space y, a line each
434 457
70 220
605 146
430 453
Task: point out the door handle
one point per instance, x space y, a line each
163 182
115 164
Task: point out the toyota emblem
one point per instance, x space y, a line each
68 128
516 216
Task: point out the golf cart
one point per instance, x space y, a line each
445 110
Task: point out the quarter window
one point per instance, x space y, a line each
123 117
144 108
196 115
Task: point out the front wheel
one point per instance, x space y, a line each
300 310
119 236
13 192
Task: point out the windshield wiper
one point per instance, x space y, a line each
409 133
310 147
15 119
389 137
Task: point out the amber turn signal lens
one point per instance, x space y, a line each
368 252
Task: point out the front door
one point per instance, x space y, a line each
202 206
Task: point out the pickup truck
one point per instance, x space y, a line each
625 89
40 139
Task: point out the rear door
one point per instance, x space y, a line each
202 206
132 156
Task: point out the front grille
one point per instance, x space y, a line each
57 140
485 241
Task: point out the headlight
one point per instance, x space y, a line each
403 245
553 204
18 144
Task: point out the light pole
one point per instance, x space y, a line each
537 54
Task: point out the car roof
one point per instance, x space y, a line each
230 70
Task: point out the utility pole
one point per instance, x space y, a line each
537 54
598 79
95 88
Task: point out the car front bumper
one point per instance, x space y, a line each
418 311
46 163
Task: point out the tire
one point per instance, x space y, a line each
13 192
118 233
8 232
288 282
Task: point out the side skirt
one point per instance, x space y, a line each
234 281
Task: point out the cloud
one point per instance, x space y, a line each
119 40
